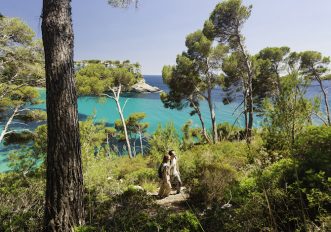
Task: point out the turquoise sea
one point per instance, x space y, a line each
151 104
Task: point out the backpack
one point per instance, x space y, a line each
160 174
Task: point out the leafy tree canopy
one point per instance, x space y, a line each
21 69
96 77
314 64
226 21
21 56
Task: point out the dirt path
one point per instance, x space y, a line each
174 201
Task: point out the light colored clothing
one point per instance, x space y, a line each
165 185
176 182
174 173
173 167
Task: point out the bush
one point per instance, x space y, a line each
22 202
313 149
283 194
209 170
163 140
134 210
230 132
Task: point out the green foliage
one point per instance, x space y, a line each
188 139
134 123
313 64
30 158
135 211
235 76
21 70
40 140
314 148
21 205
316 67
100 78
25 160
105 177
195 75
93 137
121 76
32 116
20 31
21 55
93 79
271 62
182 222
284 194
97 77
18 138
209 170
164 139
227 20
229 132
287 117
232 187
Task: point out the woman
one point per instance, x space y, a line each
165 186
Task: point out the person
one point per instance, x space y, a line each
174 171
164 174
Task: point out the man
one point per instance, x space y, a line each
174 172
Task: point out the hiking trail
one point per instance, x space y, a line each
174 201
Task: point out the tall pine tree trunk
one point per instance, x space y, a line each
141 143
326 101
64 180
204 131
249 90
212 116
250 112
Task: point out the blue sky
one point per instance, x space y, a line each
155 33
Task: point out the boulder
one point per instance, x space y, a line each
143 87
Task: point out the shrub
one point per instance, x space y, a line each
163 140
134 210
209 170
230 132
22 202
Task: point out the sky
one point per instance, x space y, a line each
155 33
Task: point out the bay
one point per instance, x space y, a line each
105 110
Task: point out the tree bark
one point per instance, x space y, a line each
64 180
326 102
250 113
249 109
117 99
212 116
141 143
204 132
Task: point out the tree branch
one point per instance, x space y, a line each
107 95
126 101
238 107
4 131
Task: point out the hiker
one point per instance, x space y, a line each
164 174
174 171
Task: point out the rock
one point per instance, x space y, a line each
138 188
143 87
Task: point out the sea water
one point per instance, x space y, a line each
105 110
